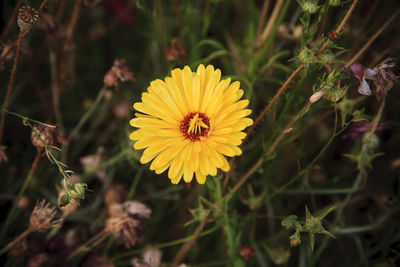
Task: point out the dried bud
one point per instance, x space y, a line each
119 70
26 17
115 194
122 109
42 217
317 96
42 135
246 252
150 258
175 51
23 203
48 24
48 135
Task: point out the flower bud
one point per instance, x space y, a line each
327 57
317 96
310 6
306 56
334 2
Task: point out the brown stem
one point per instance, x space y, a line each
270 25
264 12
365 47
42 5
74 20
11 21
188 245
11 82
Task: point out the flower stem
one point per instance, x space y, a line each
16 240
87 115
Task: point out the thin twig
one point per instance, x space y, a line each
11 21
264 12
188 245
11 82
270 25
367 44
74 20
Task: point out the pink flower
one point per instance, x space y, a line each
362 73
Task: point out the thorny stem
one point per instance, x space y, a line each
362 173
21 192
11 21
11 82
188 245
286 83
367 44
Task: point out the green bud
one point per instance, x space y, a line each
306 56
371 140
64 200
289 221
334 2
77 191
310 6
327 57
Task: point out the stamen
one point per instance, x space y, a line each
195 125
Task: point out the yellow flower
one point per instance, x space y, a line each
189 122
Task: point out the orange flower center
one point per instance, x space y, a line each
195 125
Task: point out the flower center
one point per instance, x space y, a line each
195 125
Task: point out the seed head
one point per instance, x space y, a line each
42 217
26 17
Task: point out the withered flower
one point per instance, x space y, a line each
127 221
382 76
246 252
385 77
42 217
119 70
175 51
26 17
150 258
48 24
42 135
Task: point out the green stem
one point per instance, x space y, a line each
87 115
134 184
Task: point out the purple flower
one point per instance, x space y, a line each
362 73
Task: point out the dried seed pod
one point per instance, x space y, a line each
46 135
26 17
42 217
